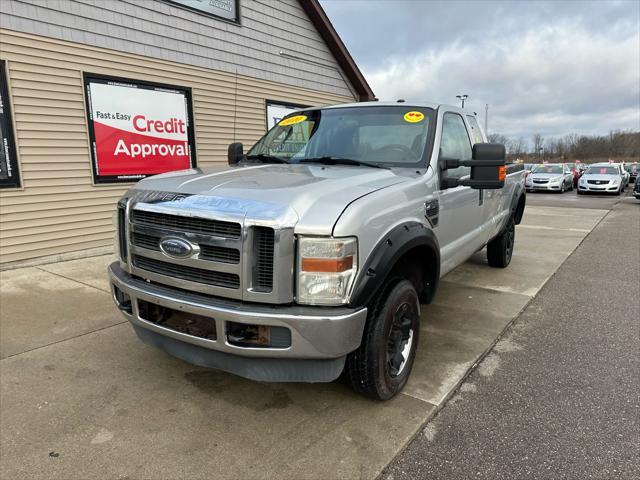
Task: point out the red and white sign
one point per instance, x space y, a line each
138 130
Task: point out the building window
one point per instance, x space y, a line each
137 129
224 9
276 111
9 174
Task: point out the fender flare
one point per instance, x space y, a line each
518 194
385 255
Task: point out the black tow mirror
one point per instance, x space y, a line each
488 167
235 152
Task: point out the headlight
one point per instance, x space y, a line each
326 269
556 180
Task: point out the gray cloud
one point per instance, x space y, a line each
547 67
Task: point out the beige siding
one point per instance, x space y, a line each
59 210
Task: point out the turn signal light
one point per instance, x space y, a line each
327 265
502 173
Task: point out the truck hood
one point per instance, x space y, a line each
315 195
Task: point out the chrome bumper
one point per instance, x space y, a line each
316 332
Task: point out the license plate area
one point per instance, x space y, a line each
178 321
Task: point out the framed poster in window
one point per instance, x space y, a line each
225 9
276 111
9 174
137 129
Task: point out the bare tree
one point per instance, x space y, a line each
538 143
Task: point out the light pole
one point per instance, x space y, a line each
486 118
462 98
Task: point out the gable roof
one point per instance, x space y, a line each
321 21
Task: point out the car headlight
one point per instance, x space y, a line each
326 269
556 180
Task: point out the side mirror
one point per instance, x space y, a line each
488 168
235 152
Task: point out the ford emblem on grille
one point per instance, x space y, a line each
176 247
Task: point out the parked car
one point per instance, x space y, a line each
550 177
633 169
626 176
312 253
602 178
636 189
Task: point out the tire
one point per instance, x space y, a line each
562 188
500 249
380 367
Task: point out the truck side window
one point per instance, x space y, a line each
475 129
455 143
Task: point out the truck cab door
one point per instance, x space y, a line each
461 216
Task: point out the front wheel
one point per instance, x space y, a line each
380 367
500 249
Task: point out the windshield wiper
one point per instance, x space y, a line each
330 160
267 158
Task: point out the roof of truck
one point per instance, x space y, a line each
405 103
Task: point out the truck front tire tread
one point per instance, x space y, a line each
365 366
500 249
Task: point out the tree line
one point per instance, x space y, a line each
617 145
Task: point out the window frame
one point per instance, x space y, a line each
14 181
467 170
234 21
98 179
278 103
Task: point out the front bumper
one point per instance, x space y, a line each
544 187
598 188
320 336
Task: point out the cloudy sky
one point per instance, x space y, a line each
543 67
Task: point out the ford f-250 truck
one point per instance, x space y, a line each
311 254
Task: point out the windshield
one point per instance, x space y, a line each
547 169
633 167
389 135
602 171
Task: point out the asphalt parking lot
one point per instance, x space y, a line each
558 395
83 398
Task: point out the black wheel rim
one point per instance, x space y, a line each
511 234
400 341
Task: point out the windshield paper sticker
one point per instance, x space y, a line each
292 120
413 117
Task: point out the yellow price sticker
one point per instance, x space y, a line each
413 117
293 120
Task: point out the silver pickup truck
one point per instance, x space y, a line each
311 254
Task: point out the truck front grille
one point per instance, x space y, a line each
207 252
216 228
191 274
263 250
229 258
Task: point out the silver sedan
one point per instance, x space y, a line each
550 177
602 178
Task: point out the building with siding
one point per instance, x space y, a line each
204 73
